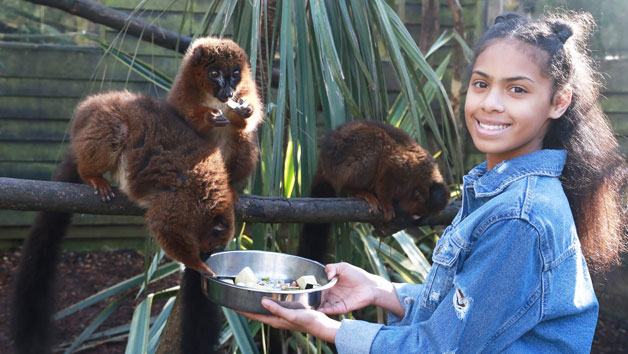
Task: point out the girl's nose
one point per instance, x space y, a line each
493 102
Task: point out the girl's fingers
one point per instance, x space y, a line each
273 321
332 269
278 310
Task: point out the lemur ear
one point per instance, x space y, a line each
197 55
562 100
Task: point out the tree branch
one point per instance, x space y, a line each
119 20
21 194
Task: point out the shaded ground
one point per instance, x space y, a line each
83 274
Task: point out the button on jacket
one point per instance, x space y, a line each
508 274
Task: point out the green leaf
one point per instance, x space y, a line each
159 255
136 281
158 326
329 56
241 331
140 67
87 332
371 251
413 252
140 324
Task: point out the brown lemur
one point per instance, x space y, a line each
229 90
177 157
379 163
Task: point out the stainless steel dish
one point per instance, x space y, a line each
264 264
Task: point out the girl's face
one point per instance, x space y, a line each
509 102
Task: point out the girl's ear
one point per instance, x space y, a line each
562 100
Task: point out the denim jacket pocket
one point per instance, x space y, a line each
440 279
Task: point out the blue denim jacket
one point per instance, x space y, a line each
508 274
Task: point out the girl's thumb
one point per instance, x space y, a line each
331 270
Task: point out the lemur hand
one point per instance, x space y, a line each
240 107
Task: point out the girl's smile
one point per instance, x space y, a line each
509 104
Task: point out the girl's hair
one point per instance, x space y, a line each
594 177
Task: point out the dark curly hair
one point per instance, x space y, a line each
595 173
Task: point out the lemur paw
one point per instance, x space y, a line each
102 188
241 107
216 118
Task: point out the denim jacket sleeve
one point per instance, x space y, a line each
407 293
492 298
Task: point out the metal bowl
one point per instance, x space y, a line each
264 264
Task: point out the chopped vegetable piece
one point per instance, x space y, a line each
307 282
246 275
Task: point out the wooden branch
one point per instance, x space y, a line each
458 63
430 25
21 194
98 13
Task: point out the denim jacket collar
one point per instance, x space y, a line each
541 163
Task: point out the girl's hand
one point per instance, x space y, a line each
354 290
307 321
357 289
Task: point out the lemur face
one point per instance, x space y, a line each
225 81
221 63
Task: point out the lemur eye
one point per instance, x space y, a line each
236 73
214 74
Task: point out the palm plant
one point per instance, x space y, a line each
336 61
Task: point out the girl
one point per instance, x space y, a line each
509 274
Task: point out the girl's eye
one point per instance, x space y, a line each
480 84
517 89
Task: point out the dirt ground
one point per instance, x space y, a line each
81 275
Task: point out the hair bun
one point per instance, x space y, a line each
562 30
507 16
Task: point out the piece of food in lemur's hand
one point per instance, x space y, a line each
379 163
215 83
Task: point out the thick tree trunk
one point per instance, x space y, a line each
430 26
457 87
98 13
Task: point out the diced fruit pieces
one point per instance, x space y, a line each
246 275
307 282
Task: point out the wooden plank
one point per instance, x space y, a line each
86 232
28 170
413 15
84 244
34 129
615 102
35 87
27 151
25 218
619 122
37 107
196 5
131 44
78 63
616 75
443 3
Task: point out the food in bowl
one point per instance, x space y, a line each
247 278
